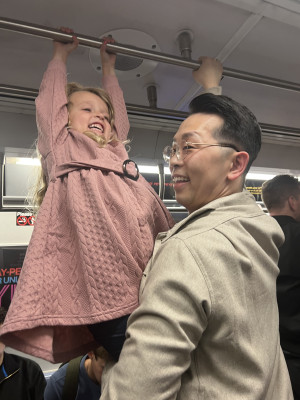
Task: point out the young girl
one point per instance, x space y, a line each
96 226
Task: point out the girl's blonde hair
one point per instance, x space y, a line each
73 87
39 190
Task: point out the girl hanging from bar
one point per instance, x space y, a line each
96 225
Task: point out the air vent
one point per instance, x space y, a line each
129 67
125 63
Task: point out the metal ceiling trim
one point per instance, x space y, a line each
154 118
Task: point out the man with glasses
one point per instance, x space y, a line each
207 324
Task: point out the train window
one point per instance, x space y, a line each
19 171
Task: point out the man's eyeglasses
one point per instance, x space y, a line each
189 148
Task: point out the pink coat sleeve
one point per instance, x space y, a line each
111 85
51 108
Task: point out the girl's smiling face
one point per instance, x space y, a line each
88 112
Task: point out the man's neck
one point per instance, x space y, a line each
283 216
282 213
89 370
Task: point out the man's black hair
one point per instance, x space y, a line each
240 125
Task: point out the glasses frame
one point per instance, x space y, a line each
168 149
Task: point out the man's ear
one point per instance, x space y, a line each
91 354
292 202
239 164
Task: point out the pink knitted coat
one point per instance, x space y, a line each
93 236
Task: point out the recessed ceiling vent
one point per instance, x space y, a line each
129 67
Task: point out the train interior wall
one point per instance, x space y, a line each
258 37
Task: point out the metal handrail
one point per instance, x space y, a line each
29 95
88 41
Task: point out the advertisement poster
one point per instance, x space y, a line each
254 187
11 261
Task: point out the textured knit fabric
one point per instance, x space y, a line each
207 324
93 237
87 389
21 379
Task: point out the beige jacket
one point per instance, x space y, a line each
207 324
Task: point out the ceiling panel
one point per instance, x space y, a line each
269 48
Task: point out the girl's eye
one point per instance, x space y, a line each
87 109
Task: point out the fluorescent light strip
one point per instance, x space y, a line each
148 169
28 161
152 169
258 176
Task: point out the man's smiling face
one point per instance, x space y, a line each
202 175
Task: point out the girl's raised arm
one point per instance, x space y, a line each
51 103
111 85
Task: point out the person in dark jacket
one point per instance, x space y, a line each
20 377
281 196
79 379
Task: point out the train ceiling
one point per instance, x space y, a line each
251 36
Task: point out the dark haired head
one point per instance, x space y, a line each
100 352
3 313
240 125
276 191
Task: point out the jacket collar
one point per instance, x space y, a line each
239 199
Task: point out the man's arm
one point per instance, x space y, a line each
164 330
209 75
